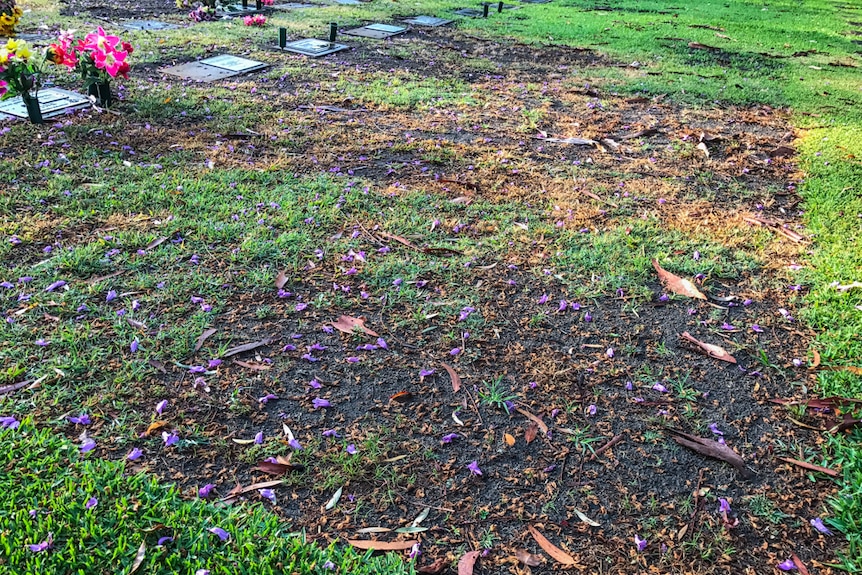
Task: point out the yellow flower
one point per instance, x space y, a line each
23 53
4 56
12 44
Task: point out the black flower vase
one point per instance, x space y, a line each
34 111
101 91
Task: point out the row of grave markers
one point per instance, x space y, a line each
55 101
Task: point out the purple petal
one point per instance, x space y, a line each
641 544
473 466
817 523
134 454
351 449
222 534
258 438
160 406
330 433
319 403
449 438
205 491
268 494
162 540
294 443
381 343
91 502
787 565
426 372
88 445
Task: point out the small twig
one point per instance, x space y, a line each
613 441
475 406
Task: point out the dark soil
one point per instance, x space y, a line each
120 9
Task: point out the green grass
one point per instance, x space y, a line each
47 482
755 66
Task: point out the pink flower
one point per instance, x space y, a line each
110 62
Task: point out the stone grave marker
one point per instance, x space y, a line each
52 101
214 68
37 39
377 31
348 2
429 21
535 1
146 25
292 6
313 47
471 12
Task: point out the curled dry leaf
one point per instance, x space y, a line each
247 347
677 284
530 433
434 568
374 530
453 375
509 439
139 557
534 418
528 558
239 489
467 561
280 280
712 448
365 545
350 325
803 570
558 554
156 426
336 497
203 337
401 397
582 516
277 469
711 350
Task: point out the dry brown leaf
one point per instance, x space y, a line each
280 280
401 397
711 350
434 568
247 347
139 557
277 469
534 418
531 432
558 554
803 570
816 361
239 489
453 375
203 337
350 325
156 426
712 448
253 366
155 243
810 466
366 544
677 284
467 561
528 558
509 439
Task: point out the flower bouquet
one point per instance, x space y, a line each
9 16
19 75
99 57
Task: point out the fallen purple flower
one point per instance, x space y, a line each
133 347
381 343
727 327
414 551
301 306
660 388
294 443
817 523
112 295
473 466
214 363
610 352
641 544
197 369
91 502
713 427
170 438
222 534
351 449
309 357
543 300
465 313
455 351
88 445
588 317
205 491
288 347
353 359
320 403
134 454
563 305
723 505
591 410
162 540
329 566
330 433
258 438
55 285
160 406
787 565
82 419
426 372
756 328
42 342
629 386
267 398
268 494
43 546
449 438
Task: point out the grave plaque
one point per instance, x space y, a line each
430 21
233 63
146 25
377 31
472 12
535 1
215 68
313 47
292 6
52 101
348 2
239 10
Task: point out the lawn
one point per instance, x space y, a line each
477 298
